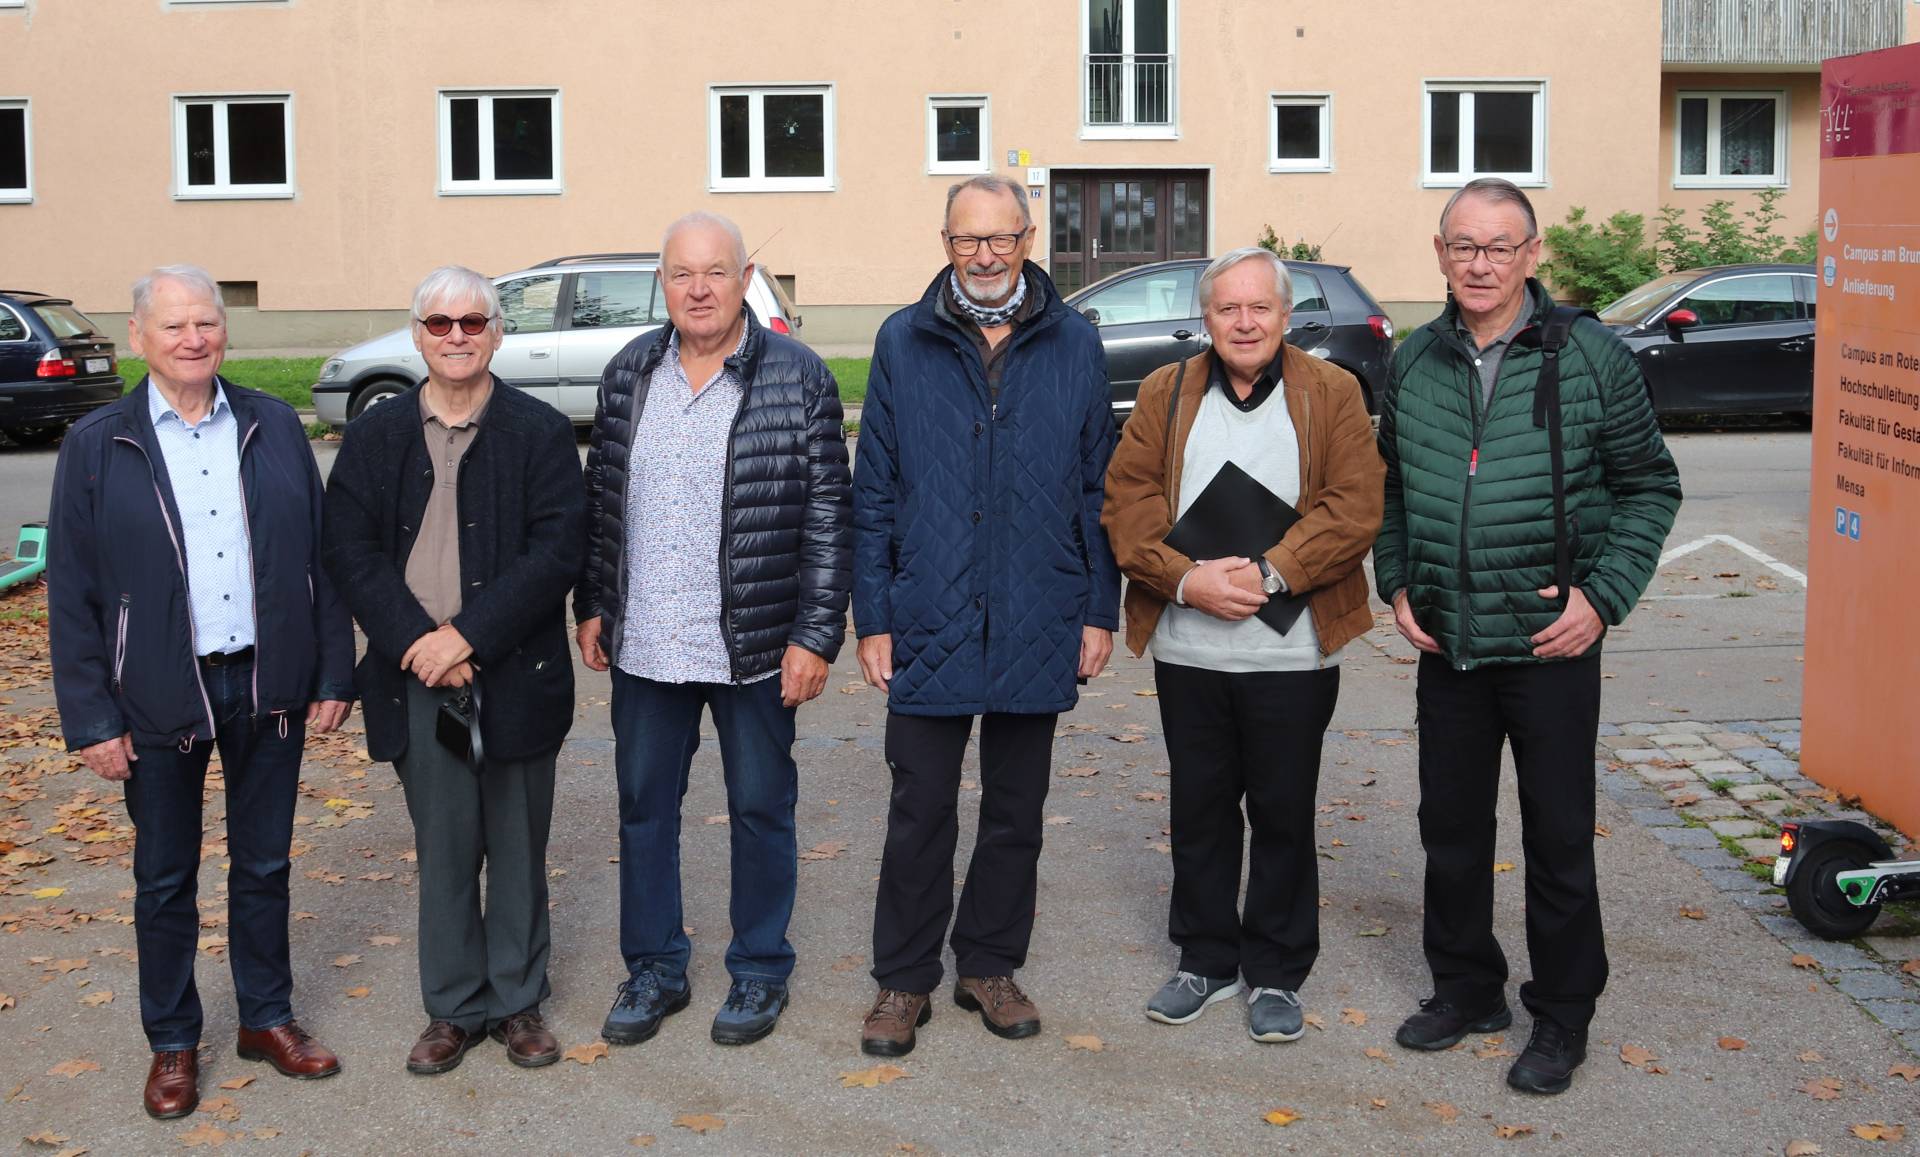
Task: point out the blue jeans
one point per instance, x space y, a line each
261 763
656 728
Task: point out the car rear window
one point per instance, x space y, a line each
64 320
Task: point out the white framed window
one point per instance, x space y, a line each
1730 139
1479 128
1300 133
16 153
500 141
959 135
236 146
1129 83
770 138
13 3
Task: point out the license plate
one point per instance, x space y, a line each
1780 870
98 365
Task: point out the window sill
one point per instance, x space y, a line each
1129 132
1730 182
12 197
274 193
953 170
809 185
1302 168
477 190
1456 180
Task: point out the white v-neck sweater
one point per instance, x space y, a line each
1264 444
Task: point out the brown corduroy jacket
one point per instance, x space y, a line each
1342 484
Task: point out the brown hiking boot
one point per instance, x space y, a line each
1003 1008
888 1031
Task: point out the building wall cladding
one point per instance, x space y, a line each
365 219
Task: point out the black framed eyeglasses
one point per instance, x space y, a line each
1500 253
440 325
999 243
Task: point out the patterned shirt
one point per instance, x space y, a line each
676 483
203 463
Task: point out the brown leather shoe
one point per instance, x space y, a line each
440 1048
173 1084
1003 1008
288 1048
528 1042
888 1030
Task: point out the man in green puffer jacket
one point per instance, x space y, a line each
1467 558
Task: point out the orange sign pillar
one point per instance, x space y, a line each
1861 705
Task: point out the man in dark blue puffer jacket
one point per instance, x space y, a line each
983 585
717 570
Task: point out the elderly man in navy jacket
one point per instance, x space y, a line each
983 585
187 608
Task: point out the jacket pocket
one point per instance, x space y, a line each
120 639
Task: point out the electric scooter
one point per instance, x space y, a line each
29 559
1837 874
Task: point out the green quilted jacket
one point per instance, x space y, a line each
1472 548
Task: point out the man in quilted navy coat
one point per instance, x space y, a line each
983 585
716 579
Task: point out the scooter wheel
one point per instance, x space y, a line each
1815 896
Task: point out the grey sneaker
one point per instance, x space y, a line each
1187 995
1273 1014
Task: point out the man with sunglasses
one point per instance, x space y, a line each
1499 488
983 585
455 516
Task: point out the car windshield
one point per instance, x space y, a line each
1637 305
64 320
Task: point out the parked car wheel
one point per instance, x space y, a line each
36 435
373 393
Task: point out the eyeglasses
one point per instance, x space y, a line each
1000 243
1500 253
440 325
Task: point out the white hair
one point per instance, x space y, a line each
700 218
191 276
452 284
1282 279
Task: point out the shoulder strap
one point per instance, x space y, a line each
1546 412
1173 412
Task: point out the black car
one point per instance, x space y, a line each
55 366
1733 339
1149 316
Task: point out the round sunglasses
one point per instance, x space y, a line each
440 325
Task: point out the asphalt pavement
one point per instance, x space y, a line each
1723 1029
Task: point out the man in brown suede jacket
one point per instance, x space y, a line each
1244 704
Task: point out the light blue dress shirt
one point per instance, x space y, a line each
203 462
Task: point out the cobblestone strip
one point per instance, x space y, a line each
1715 793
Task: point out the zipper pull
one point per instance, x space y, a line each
1473 463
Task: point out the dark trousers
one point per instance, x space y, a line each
1254 736
477 966
1550 713
656 728
915 900
260 761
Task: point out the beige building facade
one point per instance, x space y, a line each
318 156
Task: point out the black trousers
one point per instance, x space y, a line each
1550 713
1257 736
915 900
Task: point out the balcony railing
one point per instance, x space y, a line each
1128 89
1781 33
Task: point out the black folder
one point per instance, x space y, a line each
1237 517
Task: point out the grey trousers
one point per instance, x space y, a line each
476 970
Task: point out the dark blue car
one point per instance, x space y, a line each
55 366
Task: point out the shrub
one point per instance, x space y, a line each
1298 251
1592 264
1598 263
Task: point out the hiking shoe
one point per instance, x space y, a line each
1274 1014
1187 995
751 1010
888 1029
1440 1024
1003 1008
1551 1055
641 1003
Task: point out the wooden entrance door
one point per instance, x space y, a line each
1103 222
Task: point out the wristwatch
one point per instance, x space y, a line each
1269 578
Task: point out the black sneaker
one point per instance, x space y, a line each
751 1011
639 1007
1551 1055
1440 1024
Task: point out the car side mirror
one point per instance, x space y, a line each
509 325
1682 319
1092 314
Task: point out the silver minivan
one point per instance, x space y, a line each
565 319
